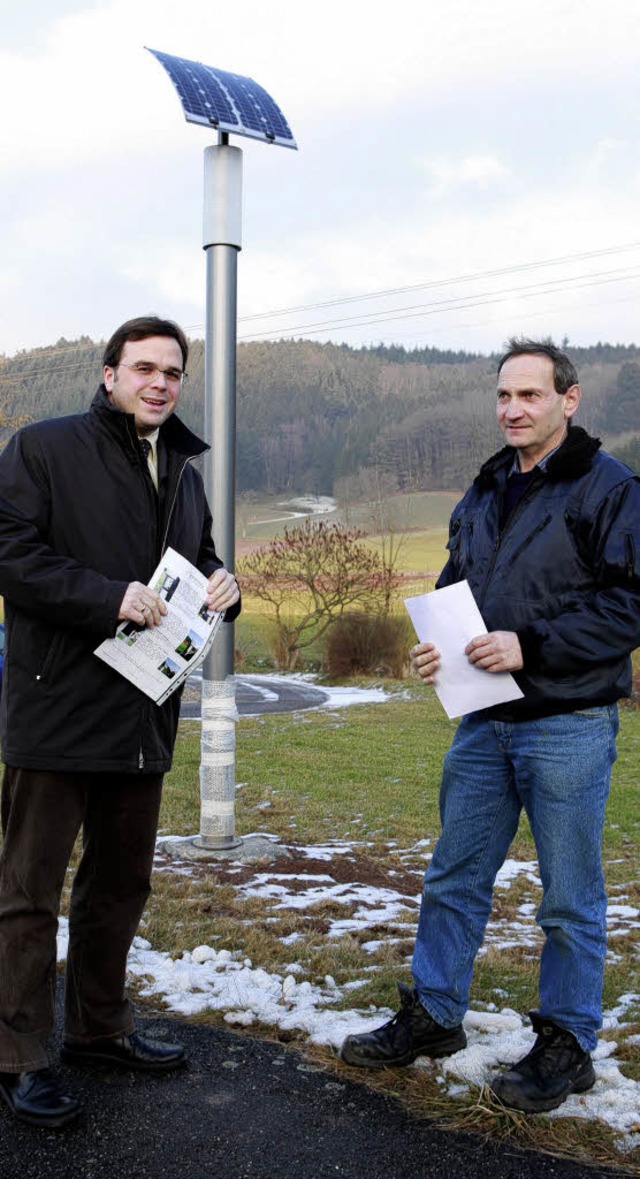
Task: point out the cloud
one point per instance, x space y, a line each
471 172
444 139
88 89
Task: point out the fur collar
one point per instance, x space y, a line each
571 460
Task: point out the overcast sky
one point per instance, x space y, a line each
438 139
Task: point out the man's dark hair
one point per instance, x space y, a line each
140 329
564 372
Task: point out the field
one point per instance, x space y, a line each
259 522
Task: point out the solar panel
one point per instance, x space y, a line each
227 102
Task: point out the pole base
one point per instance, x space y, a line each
215 845
250 849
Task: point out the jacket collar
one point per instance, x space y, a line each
177 437
570 461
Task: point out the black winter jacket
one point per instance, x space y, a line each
80 520
563 573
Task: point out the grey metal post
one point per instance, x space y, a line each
222 240
214 98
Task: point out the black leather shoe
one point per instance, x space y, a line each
411 1033
132 1051
37 1098
544 1078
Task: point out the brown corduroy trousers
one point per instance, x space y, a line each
42 813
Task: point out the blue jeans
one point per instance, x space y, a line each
557 768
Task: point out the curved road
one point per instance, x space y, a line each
256 694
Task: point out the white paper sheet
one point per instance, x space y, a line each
449 618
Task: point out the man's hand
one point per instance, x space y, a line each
498 651
222 590
141 605
426 661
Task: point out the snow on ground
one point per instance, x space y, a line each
301 506
206 979
311 505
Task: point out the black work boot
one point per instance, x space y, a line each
555 1067
411 1033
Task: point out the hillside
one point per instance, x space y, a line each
326 419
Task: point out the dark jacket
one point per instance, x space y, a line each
80 520
563 573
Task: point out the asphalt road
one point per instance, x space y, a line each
250 1109
257 694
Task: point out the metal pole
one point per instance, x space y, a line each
222 224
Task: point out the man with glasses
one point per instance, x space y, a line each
88 504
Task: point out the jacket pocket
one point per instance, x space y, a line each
460 544
531 537
45 670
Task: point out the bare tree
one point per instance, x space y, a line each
378 489
309 577
246 502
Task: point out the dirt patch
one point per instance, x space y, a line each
342 869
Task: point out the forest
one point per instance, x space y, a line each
321 418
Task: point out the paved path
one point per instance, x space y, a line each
251 1109
257 694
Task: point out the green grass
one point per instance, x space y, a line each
379 761
422 552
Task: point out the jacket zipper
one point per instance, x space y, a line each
173 504
141 761
156 507
628 543
519 508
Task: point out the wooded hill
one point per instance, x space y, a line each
319 418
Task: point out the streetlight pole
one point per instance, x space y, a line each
230 103
222 241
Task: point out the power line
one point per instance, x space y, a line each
414 341
461 302
481 274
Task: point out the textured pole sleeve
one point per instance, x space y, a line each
217 764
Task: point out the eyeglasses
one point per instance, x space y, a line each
144 368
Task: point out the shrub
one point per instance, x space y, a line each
368 644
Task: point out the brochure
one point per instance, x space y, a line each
158 659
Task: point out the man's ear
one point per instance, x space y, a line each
572 400
108 376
